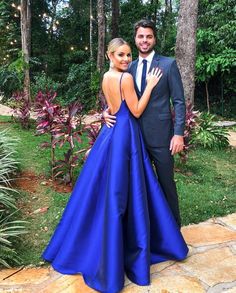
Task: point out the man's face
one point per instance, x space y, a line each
145 40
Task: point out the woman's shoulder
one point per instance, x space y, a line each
127 77
106 75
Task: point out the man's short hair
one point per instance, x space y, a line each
146 23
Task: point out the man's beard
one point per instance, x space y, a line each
146 52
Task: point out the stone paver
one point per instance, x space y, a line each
229 221
36 276
232 138
70 284
5 111
210 267
170 284
225 123
87 119
207 234
232 290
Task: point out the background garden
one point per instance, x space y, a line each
51 63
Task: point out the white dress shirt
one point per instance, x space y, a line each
140 67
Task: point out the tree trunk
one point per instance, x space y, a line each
207 97
101 35
54 4
222 93
115 19
91 29
168 6
186 45
26 43
155 4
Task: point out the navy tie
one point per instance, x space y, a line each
144 73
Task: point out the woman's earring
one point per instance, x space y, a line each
111 64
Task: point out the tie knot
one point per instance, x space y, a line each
144 61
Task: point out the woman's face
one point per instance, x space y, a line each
121 58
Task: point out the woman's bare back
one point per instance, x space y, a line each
112 90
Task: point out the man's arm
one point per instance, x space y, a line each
177 96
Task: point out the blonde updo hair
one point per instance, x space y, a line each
113 45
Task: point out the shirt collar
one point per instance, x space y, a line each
148 58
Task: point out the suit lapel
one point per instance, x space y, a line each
155 62
133 70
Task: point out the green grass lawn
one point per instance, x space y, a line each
206 186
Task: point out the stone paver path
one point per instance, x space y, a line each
87 119
210 267
5 111
232 138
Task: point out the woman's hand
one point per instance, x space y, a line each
153 77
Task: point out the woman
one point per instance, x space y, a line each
117 220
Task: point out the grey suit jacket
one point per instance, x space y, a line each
156 121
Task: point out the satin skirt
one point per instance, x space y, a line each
117 220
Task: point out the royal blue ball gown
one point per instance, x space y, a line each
117 220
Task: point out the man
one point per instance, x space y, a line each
162 137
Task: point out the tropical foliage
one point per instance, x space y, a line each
10 227
216 56
64 128
208 135
64 48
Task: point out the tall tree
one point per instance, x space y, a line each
186 45
216 55
154 5
91 28
101 35
115 18
9 32
168 5
26 42
130 12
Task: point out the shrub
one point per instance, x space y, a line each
21 107
190 124
12 76
208 135
62 124
43 83
10 81
9 227
82 84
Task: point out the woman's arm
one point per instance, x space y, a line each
138 106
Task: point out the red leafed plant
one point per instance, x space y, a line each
21 107
68 131
62 125
93 129
190 123
92 132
